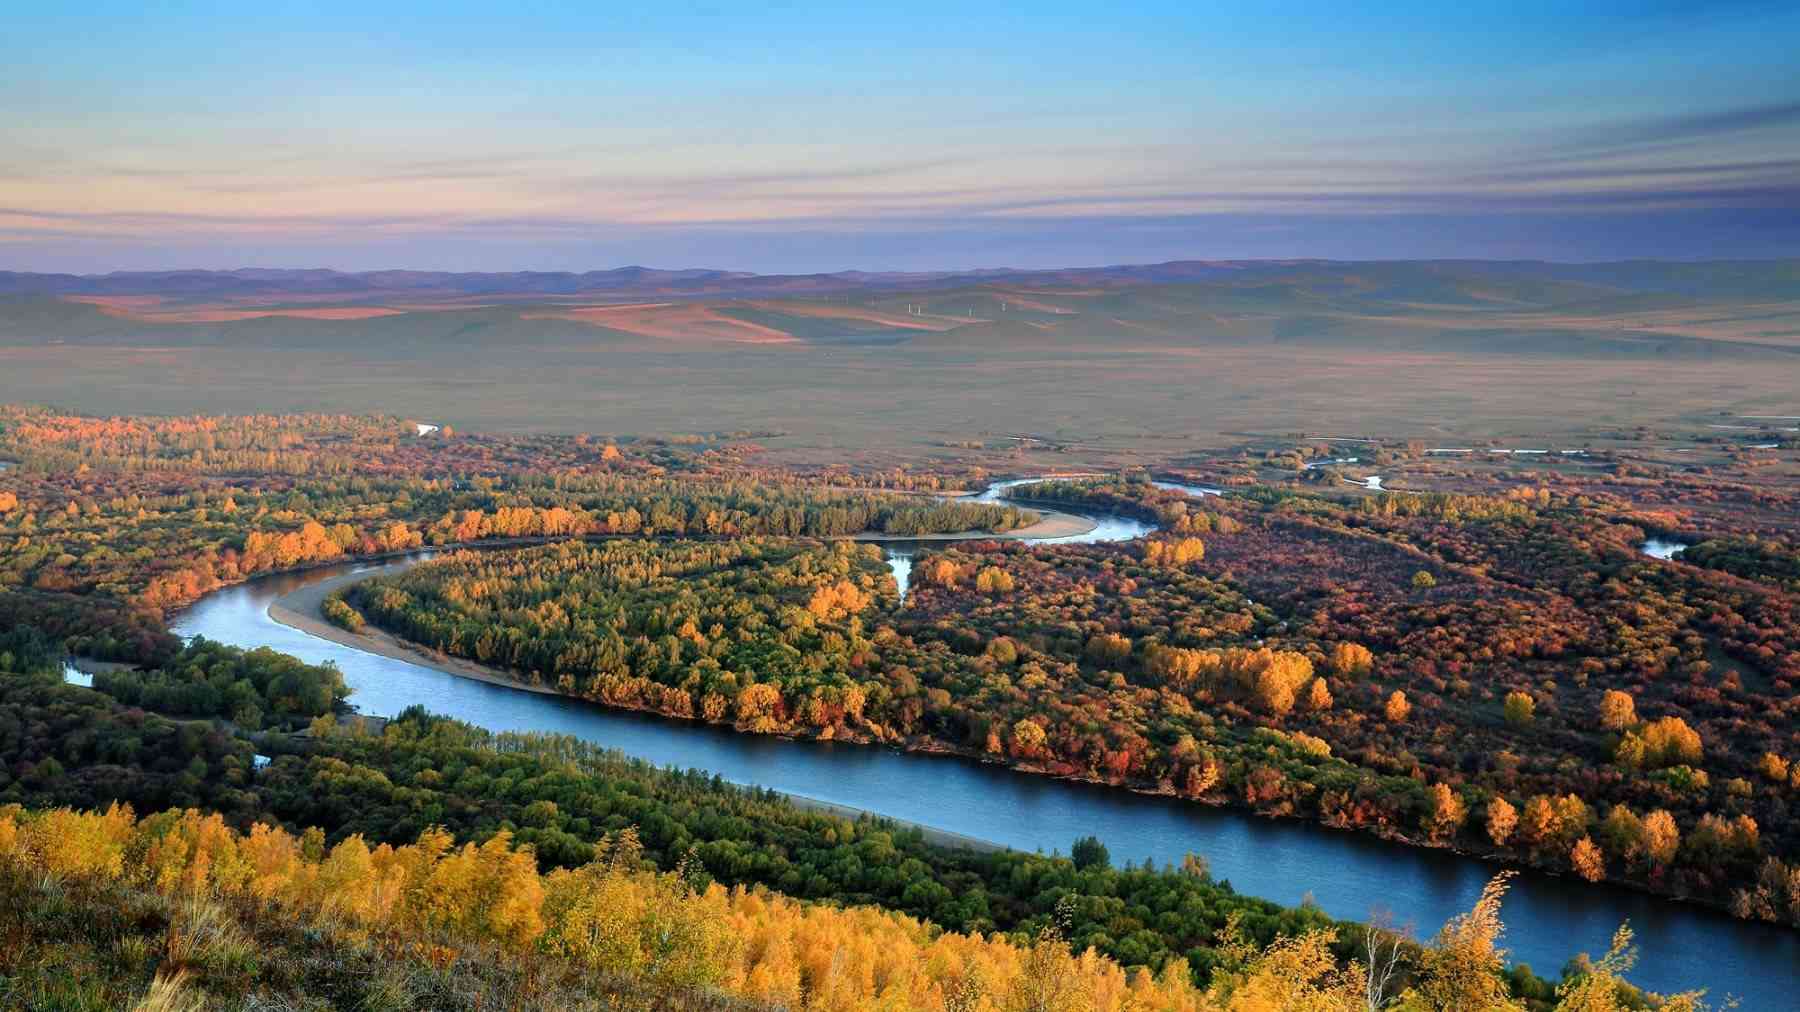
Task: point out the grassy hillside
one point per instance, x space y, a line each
1132 359
1755 309
178 911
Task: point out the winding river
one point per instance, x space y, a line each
1349 875
1095 527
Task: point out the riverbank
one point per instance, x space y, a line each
1287 860
1106 527
96 666
1050 524
300 610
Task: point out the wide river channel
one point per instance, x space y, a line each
1349 875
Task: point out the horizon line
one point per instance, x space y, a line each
1219 261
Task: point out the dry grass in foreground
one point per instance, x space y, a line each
178 911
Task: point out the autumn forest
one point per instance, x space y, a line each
1483 662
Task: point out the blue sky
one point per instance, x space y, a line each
801 137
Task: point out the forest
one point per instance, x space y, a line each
207 913
325 873
106 525
1771 560
1285 653
250 688
1494 669
564 796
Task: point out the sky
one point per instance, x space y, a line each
792 137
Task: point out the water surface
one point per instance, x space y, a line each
1198 491
900 553
1347 874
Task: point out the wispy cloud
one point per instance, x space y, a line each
1651 136
1774 168
753 124
1709 124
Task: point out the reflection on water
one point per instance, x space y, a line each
1198 491
1350 875
900 554
1107 527
900 559
1657 548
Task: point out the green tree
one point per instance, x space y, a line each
1089 852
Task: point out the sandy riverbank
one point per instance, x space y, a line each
94 666
1050 524
299 609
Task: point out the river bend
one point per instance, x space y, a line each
1349 875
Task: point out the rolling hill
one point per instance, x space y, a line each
1744 309
1178 350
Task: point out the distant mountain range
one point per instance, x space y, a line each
1710 277
1732 309
621 280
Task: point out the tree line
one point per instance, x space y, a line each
324 834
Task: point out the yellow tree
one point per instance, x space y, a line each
1670 741
1539 823
1662 838
759 705
1623 832
942 572
1050 978
1278 683
1351 659
1109 649
1297 973
1447 813
837 599
1502 819
1586 859
1028 739
1318 698
1397 708
1617 710
1179 666
1462 971
1598 986
1520 708
994 580
1774 767
1176 552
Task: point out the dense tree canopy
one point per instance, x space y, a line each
1493 667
